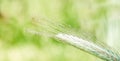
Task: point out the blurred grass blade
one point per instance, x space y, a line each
89 47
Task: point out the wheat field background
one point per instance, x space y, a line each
94 20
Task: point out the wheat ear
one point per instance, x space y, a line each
89 47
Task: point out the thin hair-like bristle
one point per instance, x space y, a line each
51 28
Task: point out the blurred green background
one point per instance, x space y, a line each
95 20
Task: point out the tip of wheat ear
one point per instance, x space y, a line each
88 47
